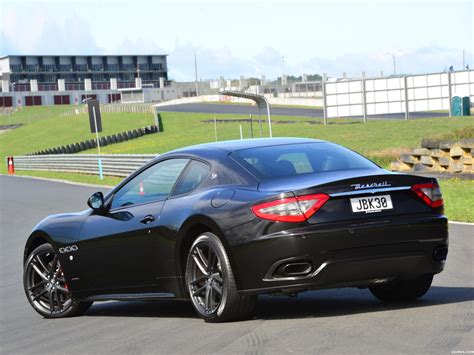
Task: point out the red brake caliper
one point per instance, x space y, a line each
62 274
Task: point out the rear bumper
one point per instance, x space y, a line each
342 255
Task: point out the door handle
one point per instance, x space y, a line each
147 219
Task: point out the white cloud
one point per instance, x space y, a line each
43 31
25 33
213 63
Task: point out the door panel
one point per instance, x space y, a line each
117 249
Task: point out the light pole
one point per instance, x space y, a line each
282 69
394 62
463 59
196 73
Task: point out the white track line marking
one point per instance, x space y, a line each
60 180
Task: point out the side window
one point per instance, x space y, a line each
153 184
192 177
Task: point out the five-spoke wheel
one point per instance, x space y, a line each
210 282
206 281
46 287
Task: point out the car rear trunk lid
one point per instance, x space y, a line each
357 194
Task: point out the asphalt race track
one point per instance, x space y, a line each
278 111
333 321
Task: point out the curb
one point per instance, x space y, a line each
462 223
61 181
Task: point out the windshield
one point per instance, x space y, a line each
297 159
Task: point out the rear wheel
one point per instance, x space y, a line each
46 287
403 290
211 284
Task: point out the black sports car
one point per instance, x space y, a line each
221 223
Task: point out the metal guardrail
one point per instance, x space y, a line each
114 108
112 164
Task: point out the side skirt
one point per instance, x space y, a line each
133 297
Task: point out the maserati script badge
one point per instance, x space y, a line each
369 186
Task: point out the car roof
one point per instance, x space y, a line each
234 145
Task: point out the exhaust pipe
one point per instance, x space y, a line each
295 269
440 253
289 268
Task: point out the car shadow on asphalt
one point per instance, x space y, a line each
339 302
322 303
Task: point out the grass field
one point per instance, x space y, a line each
45 127
381 140
74 177
458 198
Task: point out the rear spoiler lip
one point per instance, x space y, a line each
370 191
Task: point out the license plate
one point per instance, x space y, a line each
371 204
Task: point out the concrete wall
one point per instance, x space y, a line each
4 66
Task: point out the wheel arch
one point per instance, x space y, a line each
37 238
191 229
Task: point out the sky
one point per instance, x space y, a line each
251 38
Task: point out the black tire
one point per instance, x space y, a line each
403 290
208 278
45 285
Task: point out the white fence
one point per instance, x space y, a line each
112 164
396 94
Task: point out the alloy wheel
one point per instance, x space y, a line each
46 286
205 282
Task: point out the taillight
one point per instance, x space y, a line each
291 209
430 193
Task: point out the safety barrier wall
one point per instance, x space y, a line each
438 156
112 164
302 100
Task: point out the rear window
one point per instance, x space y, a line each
302 158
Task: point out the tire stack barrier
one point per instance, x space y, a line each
438 156
92 143
120 165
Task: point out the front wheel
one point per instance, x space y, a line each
402 290
211 285
46 287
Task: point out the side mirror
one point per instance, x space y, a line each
96 201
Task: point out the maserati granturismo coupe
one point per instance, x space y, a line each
220 223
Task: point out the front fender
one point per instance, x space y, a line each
36 238
58 230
